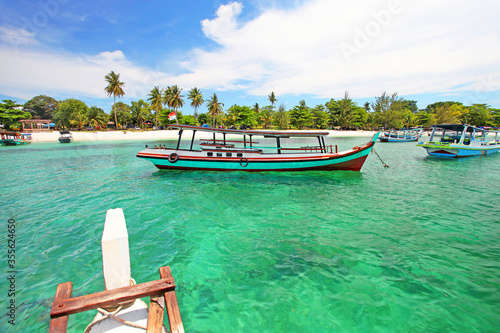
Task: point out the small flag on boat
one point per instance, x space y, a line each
172 116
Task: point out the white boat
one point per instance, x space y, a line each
65 137
403 135
461 140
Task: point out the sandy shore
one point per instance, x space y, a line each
152 135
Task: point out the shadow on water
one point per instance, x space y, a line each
309 178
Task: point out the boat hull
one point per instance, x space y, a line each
386 139
352 160
454 151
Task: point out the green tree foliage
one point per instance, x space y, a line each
281 118
300 115
140 112
115 88
71 113
320 117
203 119
41 107
241 115
173 99
479 115
446 114
388 110
97 118
156 101
272 98
122 114
197 100
215 108
11 113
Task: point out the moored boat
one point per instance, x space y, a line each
14 138
403 135
65 137
224 153
461 140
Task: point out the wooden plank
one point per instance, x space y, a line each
60 324
102 299
156 312
174 315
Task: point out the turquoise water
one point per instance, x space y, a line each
410 248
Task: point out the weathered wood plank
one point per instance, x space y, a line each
156 312
60 324
174 315
102 299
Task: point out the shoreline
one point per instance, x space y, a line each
154 135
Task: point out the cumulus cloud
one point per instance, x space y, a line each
325 47
319 47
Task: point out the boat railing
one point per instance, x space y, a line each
161 292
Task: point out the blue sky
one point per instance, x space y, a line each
311 50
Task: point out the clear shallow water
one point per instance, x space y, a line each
411 248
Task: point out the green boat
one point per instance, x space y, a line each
14 138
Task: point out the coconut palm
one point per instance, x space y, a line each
214 107
196 100
173 99
156 101
115 88
97 117
272 98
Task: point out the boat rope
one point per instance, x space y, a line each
385 165
112 311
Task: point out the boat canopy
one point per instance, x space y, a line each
456 127
272 134
64 132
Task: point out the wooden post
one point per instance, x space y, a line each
115 250
60 324
174 315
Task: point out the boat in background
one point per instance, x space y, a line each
65 137
403 135
244 154
461 140
14 138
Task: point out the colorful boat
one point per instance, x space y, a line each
14 138
461 140
65 137
225 153
403 135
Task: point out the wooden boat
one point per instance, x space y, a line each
404 135
119 307
14 138
461 140
65 137
224 153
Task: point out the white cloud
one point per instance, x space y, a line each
320 47
15 36
406 46
30 73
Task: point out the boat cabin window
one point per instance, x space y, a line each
210 154
229 154
219 154
239 154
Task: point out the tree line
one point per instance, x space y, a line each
387 111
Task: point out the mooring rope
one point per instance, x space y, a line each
112 311
385 165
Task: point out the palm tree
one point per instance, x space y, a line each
214 107
156 101
173 99
272 98
196 100
97 117
115 88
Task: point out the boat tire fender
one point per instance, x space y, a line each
244 162
172 158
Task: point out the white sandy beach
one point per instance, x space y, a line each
152 135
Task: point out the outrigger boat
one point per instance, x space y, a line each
65 137
461 140
404 135
14 138
244 154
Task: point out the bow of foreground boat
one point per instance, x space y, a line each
244 154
